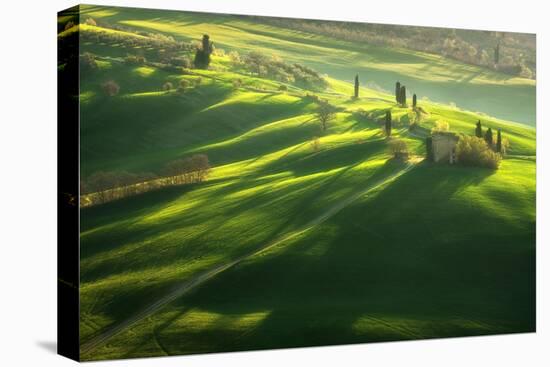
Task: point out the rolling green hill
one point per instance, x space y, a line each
299 236
440 79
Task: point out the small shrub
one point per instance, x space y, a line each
399 148
183 86
237 83
235 57
91 21
283 88
88 62
474 151
179 61
167 86
315 144
69 25
441 126
219 52
311 97
110 88
135 59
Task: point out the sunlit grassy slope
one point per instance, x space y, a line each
440 251
461 262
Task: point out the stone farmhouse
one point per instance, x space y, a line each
444 146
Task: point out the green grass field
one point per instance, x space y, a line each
328 245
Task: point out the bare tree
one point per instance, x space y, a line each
325 113
101 183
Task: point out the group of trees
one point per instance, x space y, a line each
171 55
401 94
474 151
275 68
481 149
203 52
105 186
130 38
187 170
499 146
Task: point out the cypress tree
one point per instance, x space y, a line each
403 98
429 148
388 123
398 92
489 137
498 147
497 52
479 132
202 55
206 44
356 88
414 100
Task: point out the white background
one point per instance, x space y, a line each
28 183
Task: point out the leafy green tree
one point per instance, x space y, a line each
398 92
356 87
489 137
414 100
387 125
498 147
479 131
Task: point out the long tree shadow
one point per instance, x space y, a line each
363 288
118 304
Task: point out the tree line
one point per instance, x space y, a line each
497 145
514 53
105 186
273 67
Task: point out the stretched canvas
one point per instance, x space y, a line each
232 183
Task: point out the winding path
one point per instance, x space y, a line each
205 276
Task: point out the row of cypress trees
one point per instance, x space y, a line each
401 95
488 137
400 92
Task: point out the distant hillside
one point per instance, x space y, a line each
516 51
